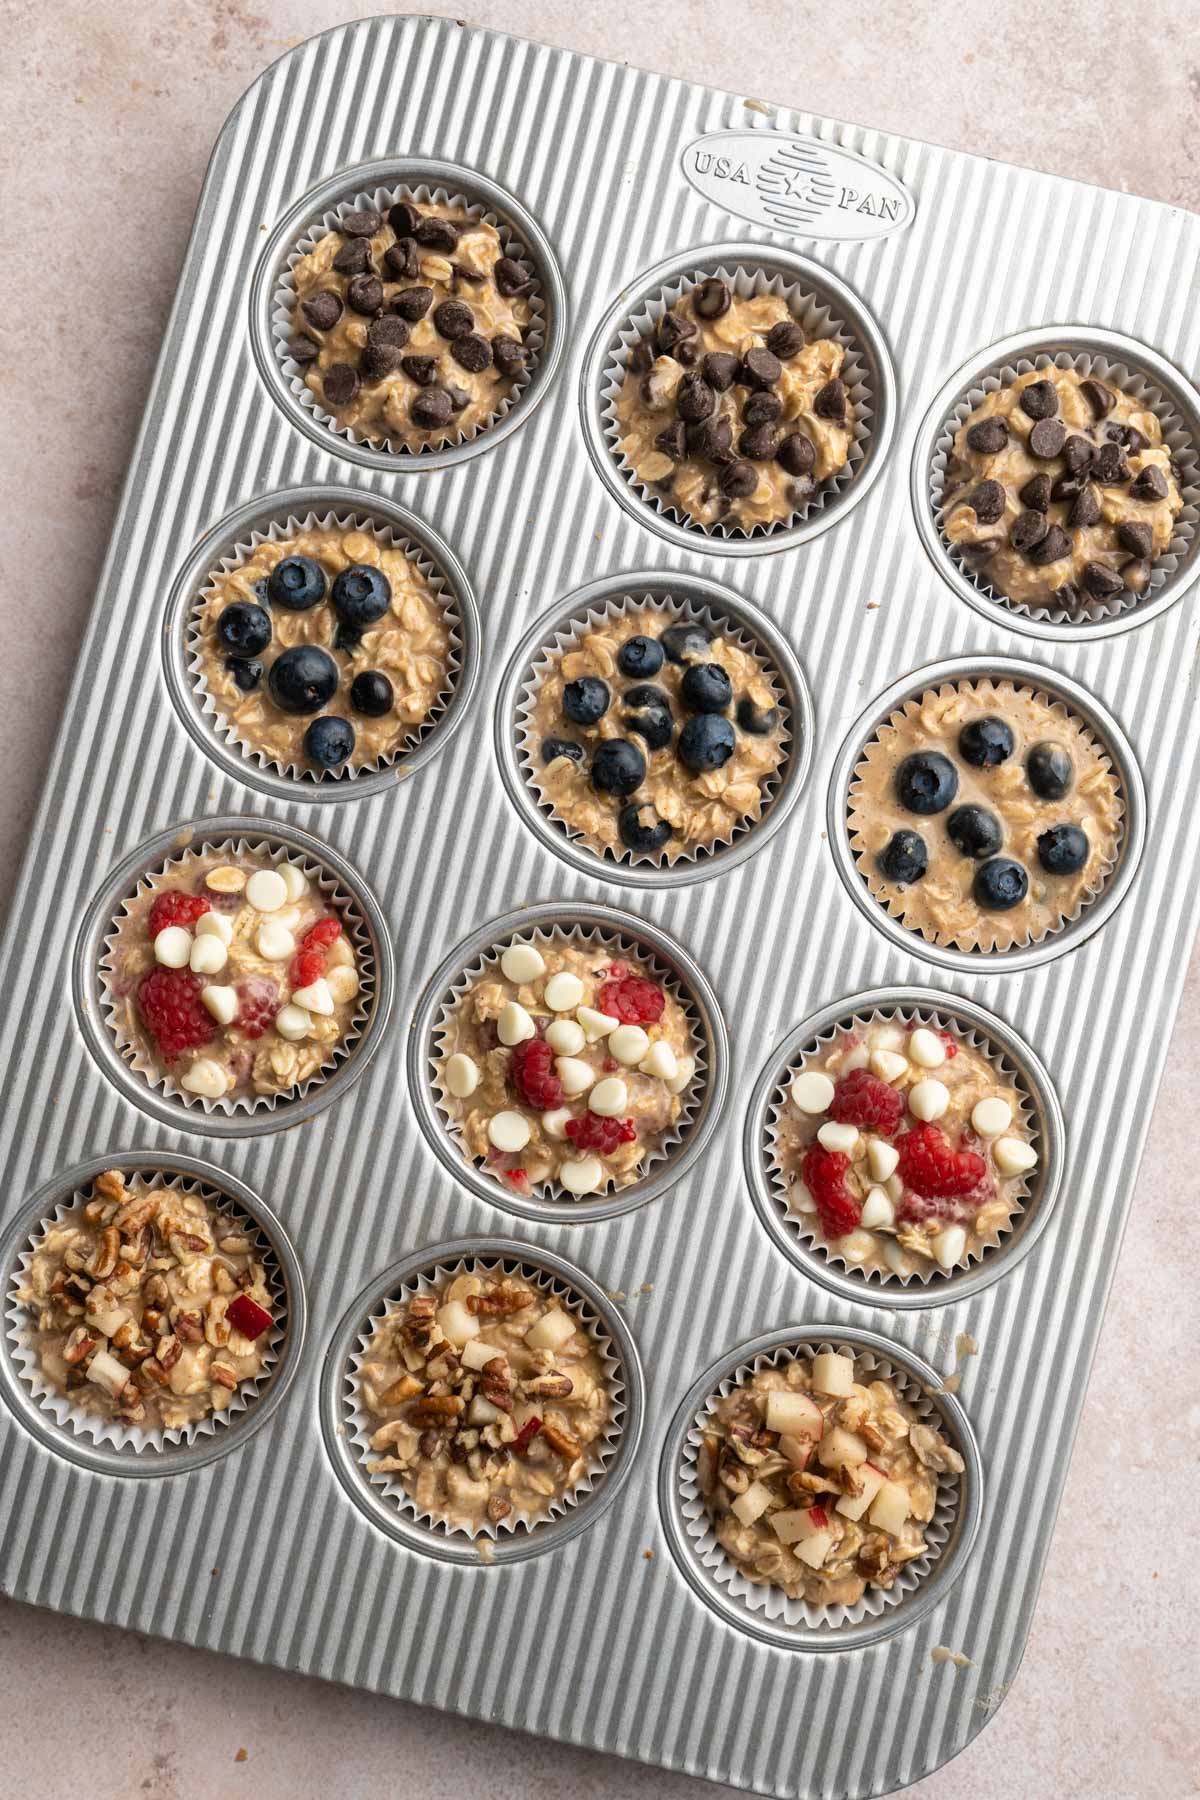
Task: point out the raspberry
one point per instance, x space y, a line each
951 1042
591 1132
930 1166
173 1012
258 1002
824 1173
531 1070
860 1098
307 966
174 908
322 934
632 999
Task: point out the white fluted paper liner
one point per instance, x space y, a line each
818 321
1184 453
569 637
379 199
771 1601
620 948
924 1270
338 899
985 688
75 1421
279 530
360 1425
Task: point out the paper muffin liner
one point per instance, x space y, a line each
771 1601
338 898
818 321
389 537
619 947
360 1425
1185 454
568 637
75 1421
924 1270
379 199
856 815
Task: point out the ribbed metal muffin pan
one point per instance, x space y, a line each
603 1640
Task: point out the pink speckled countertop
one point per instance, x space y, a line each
109 108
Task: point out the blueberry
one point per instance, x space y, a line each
648 713
926 782
639 657
618 767
297 583
361 594
329 741
553 747
247 672
974 831
1000 884
585 701
371 694
244 629
1063 850
759 724
346 637
706 688
686 643
985 742
904 858
303 679
706 742
637 835
1050 771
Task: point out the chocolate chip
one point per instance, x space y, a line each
472 353
738 480
412 303
987 502
830 401
510 277
720 370
672 332
339 385
403 219
786 339
688 353
421 369
1149 484
360 224
761 409
795 454
436 234
1100 581
1109 467
1047 437
1028 529
1134 441
761 368
388 330
988 436
509 356
1085 508
1036 493
457 396
712 299
711 438
1136 537
1135 573
799 493
694 399
1039 400
402 260
1078 453
381 360
1053 547
1067 596
759 442
1099 398
322 310
431 408
453 319
641 357
1066 487
365 295
354 257
302 350
673 440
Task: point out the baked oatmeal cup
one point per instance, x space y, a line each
486 1398
650 733
562 1066
412 322
150 1308
235 975
821 1479
327 646
904 1147
984 815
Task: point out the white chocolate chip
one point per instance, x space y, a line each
274 941
343 984
293 1023
629 1043
991 1116
886 1037
1012 1156
609 1098
877 1210
173 947
221 1002
315 998
929 1099
563 992
895 1258
687 1068
926 1047
802 1199
895 1188
514 1024
660 1061
949 1246
812 1092
576 1075
462 1075
554 1124
856 1246
521 963
294 880
838 1137
508 1131
205 1077
266 890
881 1158
889 1066
858 1058
584 1177
207 955
595 1024
565 1037
214 924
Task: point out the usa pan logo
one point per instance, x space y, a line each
798 185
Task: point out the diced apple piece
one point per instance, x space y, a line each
752 1504
457 1323
796 1450
890 1508
798 1523
841 1446
247 1316
854 1506
813 1550
797 1414
833 1374
477 1355
551 1332
482 1412
108 1373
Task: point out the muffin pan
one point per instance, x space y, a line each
653 1655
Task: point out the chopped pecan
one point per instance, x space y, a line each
110 1184
401 1390
934 1452
733 1477
104 1257
554 1386
428 1443
509 1297
169 1351
871 1436
568 1447
81 1343
435 1408
136 1214
151 1373
495 1384
498 1507
190 1327
224 1375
